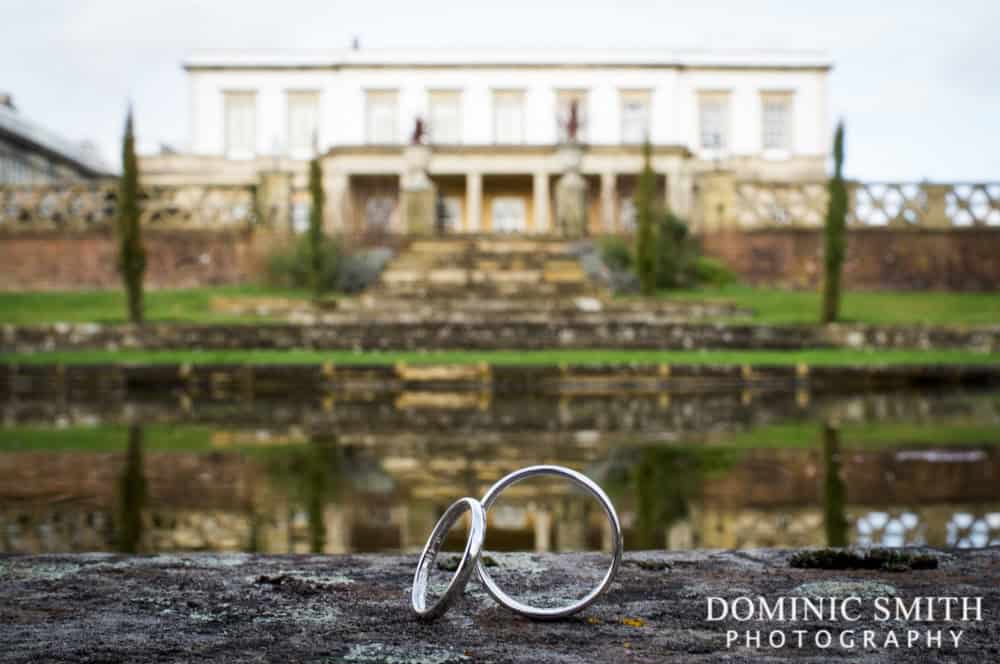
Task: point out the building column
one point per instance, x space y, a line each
571 526
473 202
274 200
608 202
937 205
543 530
541 204
337 188
680 535
680 194
337 538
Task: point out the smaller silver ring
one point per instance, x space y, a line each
473 545
539 613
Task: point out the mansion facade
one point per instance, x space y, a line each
495 139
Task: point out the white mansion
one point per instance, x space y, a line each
496 124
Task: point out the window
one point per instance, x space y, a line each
635 116
300 216
508 116
776 120
303 124
241 124
378 212
449 214
508 214
445 117
383 125
564 101
713 120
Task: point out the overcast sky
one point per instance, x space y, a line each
918 82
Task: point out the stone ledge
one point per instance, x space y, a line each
218 381
239 607
585 330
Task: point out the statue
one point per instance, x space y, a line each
571 188
573 122
418 132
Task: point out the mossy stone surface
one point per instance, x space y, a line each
249 608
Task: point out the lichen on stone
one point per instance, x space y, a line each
700 590
845 588
47 571
410 654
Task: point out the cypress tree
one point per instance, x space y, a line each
316 241
131 254
645 216
834 489
131 494
834 241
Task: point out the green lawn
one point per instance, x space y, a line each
779 306
869 435
509 357
183 437
772 306
193 305
106 438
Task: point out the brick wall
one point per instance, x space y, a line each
963 259
56 260
877 258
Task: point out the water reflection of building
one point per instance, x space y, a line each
893 498
387 496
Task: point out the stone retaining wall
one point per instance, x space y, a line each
434 384
239 608
569 333
427 419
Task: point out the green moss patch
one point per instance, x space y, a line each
886 560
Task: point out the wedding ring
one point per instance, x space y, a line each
591 487
473 545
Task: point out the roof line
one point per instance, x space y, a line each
661 58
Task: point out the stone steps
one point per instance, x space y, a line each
485 267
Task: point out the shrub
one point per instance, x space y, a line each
616 253
713 272
292 265
358 271
676 260
289 266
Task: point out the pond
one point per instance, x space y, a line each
362 472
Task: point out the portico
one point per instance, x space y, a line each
490 189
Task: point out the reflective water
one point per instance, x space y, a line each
372 472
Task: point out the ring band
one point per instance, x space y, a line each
473 545
591 487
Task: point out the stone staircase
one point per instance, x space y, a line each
486 268
486 281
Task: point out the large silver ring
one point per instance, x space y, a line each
616 550
473 545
